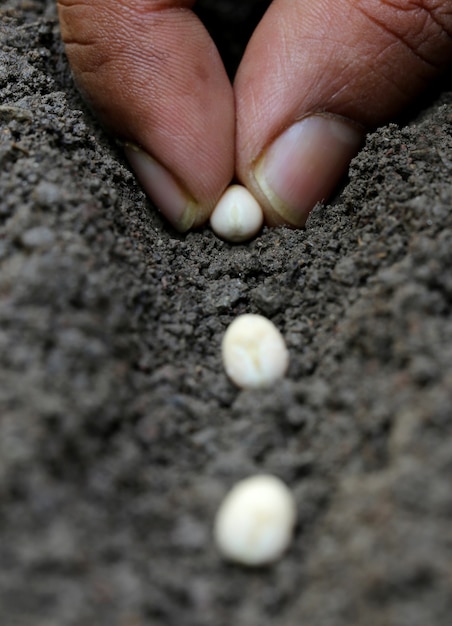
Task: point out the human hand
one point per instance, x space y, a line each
315 75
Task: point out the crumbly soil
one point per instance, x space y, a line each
119 431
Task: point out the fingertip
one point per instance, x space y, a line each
311 65
156 80
302 167
175 203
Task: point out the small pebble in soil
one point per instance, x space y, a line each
237 216
37 237
255 522
254 352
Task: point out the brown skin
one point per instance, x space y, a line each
155 78
153 75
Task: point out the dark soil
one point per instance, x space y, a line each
119 432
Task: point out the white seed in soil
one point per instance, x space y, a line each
237 216
254 352
255 522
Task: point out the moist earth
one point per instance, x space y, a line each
119 431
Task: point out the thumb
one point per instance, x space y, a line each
315 75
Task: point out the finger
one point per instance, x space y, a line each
315 74
153 75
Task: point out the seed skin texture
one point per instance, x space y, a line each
255 522
254 352
237 216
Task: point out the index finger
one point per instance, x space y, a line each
153 75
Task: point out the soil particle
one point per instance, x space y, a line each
119 431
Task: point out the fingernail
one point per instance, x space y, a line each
304 164
178 207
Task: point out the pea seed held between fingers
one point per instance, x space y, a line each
237 216
254 352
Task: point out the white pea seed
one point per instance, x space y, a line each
255 522
254 352
237 216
